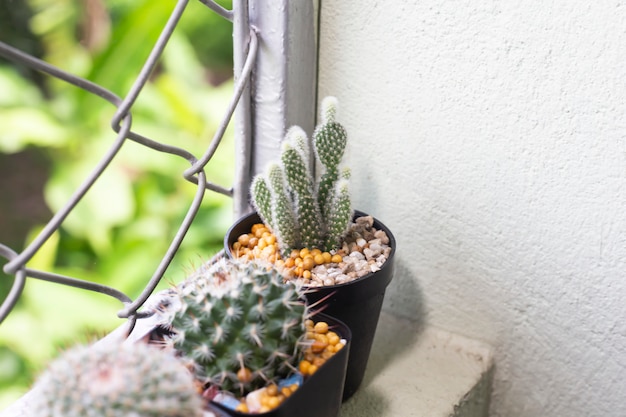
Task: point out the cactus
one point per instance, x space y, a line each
116 380
238 325
319 212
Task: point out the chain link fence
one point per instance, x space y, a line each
122 132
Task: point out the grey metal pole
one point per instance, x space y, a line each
243 128
283 84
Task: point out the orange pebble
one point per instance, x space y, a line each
304 366
321 327
318 346
308 263
242 408
244 375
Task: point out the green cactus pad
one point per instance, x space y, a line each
305 204
340 216
284 226
262 199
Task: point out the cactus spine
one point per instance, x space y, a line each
116 380
239 325
320 212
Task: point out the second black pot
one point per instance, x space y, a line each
321 393
356 303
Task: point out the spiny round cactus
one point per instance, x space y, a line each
116 380
239 325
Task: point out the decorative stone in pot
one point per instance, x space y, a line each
344 259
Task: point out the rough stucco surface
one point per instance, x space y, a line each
490 137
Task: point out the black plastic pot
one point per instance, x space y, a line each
357 303
321 393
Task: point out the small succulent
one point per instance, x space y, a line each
238 325
303 211
111 380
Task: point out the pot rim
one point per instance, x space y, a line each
356 213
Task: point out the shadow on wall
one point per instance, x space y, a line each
405 291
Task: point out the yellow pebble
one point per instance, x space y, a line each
328 352
321 327
319 361
308 263
315 252
336 258
327 257
318 346
309 323
333 338
272 390
312 369
274 402
304 366
243 240
303 252
306 274
244 375
286 391
319 259
242 408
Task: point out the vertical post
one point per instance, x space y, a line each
243 127
283 84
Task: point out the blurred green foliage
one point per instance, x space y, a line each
119 232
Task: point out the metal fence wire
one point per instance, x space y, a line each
121 124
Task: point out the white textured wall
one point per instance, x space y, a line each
490 136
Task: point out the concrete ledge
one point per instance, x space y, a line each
411 372
423 372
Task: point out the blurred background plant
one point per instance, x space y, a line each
51 135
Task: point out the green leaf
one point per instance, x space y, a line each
25 126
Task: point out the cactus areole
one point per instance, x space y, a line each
239 325
302 210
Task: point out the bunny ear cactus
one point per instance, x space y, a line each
117 380
319 212
239 325
329 140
